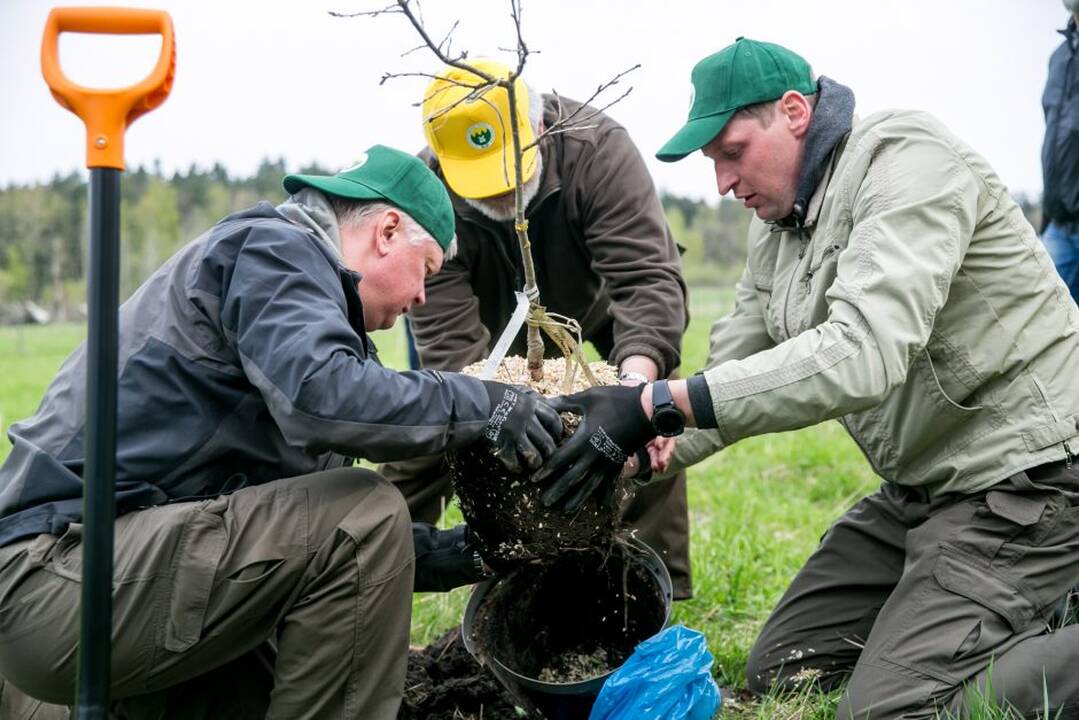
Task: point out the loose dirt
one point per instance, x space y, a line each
444 682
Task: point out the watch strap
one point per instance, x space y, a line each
661 394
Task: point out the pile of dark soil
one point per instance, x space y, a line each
444 682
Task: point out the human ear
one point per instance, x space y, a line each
797 111
388 226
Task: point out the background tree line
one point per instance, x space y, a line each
43 231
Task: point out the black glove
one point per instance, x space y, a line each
523 429
613 426
444 559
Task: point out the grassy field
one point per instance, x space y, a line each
757 509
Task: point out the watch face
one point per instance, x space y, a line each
668 421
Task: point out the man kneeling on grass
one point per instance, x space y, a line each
891 283
257 572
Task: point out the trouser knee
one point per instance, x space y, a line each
358 502
784 667
369 510
381 515
760 674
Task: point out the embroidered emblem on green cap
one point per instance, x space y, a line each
481 135
360 162
401 179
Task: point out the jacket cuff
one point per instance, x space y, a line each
700 399
665 364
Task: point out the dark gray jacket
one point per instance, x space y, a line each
243 359
1060 150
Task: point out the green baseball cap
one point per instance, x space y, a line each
400 179
741 74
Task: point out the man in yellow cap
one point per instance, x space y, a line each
602 250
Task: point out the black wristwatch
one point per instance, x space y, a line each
667 419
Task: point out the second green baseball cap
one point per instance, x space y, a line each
741 74
396 177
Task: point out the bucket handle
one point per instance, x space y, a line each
107 113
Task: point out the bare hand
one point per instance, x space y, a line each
660 450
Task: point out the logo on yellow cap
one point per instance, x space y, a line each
467 121
480 135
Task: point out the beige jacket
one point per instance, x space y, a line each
917 307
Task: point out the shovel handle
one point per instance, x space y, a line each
107 112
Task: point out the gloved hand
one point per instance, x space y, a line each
444 559
613 425
523 429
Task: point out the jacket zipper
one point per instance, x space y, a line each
1056 418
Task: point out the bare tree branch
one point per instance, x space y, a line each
477 93
389 9
562 130
565 121
522 49
406 53
446 38
393 76
514 50
436 49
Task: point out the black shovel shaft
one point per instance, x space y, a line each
95 639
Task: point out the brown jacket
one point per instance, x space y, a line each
602 249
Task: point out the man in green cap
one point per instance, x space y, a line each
891 283
257 573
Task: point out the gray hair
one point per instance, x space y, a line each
351 213
535 108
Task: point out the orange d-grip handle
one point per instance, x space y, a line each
107 113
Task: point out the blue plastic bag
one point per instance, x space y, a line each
668 677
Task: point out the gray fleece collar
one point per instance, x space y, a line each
313 210
831 122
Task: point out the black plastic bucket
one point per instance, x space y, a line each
556 616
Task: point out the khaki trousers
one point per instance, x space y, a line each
285 600
658 511
914 598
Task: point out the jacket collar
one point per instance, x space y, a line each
831 123
1070 33
312 209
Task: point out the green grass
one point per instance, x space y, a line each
757 509
29 356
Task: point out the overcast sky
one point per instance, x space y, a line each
259 78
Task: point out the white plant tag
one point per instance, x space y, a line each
506 338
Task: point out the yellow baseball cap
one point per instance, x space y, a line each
470 134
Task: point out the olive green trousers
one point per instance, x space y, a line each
913 600
285 600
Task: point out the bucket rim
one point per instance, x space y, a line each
480 591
